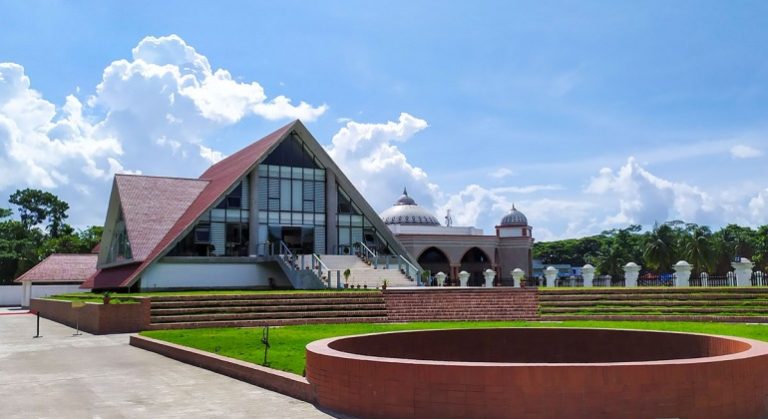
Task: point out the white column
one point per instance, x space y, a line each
518 275
489 274
743 271
463 278
551 274
440 276
682 273
631 272
26 293
588 273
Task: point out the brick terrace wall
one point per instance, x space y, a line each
454 303
283 382
96 318
361 385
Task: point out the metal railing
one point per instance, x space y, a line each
364 252
407 268
323 272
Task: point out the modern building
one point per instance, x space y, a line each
451 249
280 213
258 218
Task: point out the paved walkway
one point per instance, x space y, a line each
87 376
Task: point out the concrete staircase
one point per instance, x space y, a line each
364 274
720 304
253 310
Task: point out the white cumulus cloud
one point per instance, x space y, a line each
644 198
500 173
367 153
152 112
741 151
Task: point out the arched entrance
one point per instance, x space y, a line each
475 261
434 260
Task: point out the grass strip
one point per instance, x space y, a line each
287 351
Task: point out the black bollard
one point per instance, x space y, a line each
265 341
38 326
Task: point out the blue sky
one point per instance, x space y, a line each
586 115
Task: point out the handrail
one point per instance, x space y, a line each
320 262
287 255
410 267
370 253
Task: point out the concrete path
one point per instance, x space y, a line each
65 376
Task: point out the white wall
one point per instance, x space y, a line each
211 275
511 232
441 230
11 295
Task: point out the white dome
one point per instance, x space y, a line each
406 211
514 218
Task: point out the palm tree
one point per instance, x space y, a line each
699 250
610 261
659 251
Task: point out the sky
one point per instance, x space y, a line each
585 115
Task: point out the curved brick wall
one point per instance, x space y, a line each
537 373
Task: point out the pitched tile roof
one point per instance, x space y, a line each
218 179
152 205
109 277
61 268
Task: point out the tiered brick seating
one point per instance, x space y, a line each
670 304
251 310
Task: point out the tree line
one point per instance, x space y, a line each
34 228
658 249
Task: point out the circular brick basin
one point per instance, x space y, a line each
540 372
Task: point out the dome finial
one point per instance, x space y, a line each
513 207
405 191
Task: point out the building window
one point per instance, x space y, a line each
119 247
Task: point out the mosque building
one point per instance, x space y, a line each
451 249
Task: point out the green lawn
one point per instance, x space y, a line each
287 343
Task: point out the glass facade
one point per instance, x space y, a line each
119 247
291 209
222 231
292 198
353 227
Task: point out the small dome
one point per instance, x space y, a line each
406 211
514 218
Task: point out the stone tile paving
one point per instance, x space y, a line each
87 376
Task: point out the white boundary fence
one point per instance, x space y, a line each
11 295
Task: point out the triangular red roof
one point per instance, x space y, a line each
219 179
152 205
61 267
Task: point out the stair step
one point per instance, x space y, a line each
251 309
266 302
271 315
266 322
642 310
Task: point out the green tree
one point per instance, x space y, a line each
699 250
760 255
23 245
659 251
36 207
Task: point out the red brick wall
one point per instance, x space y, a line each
283 382
454 303
96 318
728 386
